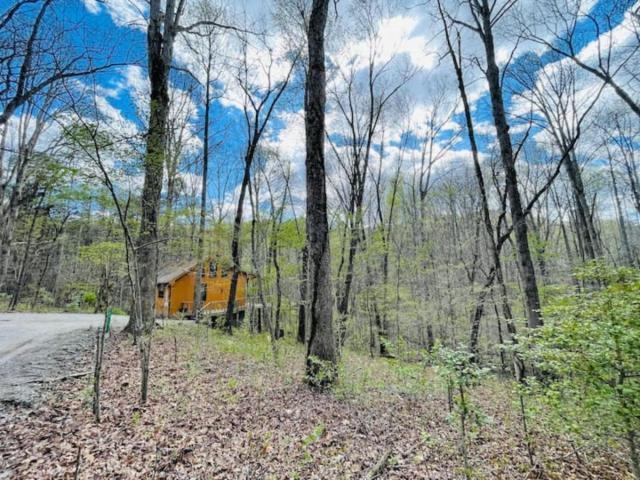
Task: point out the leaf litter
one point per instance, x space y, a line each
226 410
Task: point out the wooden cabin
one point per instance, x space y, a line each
175 290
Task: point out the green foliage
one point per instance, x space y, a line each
136 417
101 254
291 234
89 298
315 435
361 376
588 356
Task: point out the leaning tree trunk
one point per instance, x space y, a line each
321 350
497 271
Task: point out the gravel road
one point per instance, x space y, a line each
38 346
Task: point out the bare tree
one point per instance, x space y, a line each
259 101
39 52
361 106
557 26
552 91
204 46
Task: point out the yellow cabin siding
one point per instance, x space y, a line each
179 294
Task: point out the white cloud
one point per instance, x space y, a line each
126 13
393 37
92 6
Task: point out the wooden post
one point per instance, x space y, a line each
96 376
100 334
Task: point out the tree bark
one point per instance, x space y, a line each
235 244
302 316
587 230
160 38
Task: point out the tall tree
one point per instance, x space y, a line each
164 26
484 16
204 49
321 349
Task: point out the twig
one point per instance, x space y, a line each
378 468
78 458
56 379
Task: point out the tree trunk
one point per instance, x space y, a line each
235 246
632 173
200 271
256 327
583 213
23 264
343 304
160 37
525 262
321 350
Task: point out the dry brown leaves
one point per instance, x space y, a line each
218 415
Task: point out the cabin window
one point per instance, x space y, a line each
204 292
224 273
161 289
213 270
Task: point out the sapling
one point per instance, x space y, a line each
460 373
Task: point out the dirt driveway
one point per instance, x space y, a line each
35 347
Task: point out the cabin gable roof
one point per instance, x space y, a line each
172 273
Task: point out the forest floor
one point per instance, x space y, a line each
221 407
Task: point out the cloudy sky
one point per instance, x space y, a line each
404 37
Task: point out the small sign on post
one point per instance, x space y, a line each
107 320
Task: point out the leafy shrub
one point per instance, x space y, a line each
588 354
89 298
